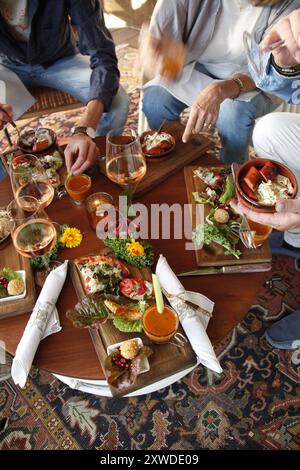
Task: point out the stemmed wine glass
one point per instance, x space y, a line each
29 178
257 54
125 161
33 233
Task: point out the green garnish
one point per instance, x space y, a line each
10 274
229 191
127 326
207 234
120 249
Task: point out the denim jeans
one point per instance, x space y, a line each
72 75
235 123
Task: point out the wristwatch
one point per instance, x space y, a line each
239 83
89 131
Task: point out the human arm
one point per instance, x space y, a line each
282 70
286 217
205 111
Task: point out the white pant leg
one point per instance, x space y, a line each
277 136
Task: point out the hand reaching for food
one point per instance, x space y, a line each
80 153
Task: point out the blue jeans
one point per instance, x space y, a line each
235 124
72 75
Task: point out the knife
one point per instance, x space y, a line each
244 268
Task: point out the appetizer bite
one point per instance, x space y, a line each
157 144
125 361
11 283
36 140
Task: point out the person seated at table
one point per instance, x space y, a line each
65 45
277 136
215 78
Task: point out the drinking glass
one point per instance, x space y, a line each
258 55
33 234
29 178
125 162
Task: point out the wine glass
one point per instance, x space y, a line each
125 161
257 54
33 233
29 178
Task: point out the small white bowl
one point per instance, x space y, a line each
145 366
20 296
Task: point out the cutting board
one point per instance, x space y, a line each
183 154
10 258
206 257
166 359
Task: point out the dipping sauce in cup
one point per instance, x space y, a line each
78 187
262 232
94 204
160 327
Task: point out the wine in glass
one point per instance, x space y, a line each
29 178
33 234
125 162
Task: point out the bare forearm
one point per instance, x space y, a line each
230 88
92 114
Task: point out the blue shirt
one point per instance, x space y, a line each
63 28
287 88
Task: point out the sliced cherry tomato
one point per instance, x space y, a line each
135 289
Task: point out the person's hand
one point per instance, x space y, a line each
286 217
287 29
6 114
205 111
80 153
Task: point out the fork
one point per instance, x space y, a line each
246 234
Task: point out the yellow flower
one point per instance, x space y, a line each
71 237
135 248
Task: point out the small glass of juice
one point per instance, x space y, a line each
78 187
160 327
262 232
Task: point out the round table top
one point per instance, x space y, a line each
71 352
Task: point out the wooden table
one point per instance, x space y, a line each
71 352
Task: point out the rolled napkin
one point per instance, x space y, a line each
194 320
42 323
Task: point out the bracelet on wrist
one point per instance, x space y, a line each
292 71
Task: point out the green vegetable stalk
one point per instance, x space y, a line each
207 234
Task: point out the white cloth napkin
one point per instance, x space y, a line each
193 321
42 322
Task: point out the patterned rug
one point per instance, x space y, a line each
62 123
255 405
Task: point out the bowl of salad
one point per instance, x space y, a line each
261 183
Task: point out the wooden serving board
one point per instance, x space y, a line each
10 258
166 359
183 154
206 257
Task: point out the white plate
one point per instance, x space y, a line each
17 297
145 366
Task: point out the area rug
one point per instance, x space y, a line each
254 405
63 122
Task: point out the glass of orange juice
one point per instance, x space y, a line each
262 232
78 187
160 327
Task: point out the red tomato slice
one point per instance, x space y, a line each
133 288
